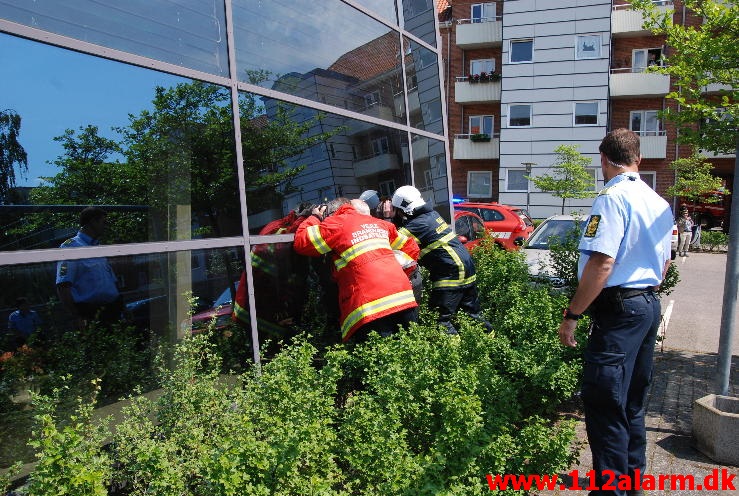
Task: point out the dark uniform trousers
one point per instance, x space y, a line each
618 371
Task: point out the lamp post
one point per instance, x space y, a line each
528 166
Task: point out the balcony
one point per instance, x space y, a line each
377 110
479 92
420 148
467 149
627 22
414 105
625 83
707 154
653 146
716 88
480 33
369 166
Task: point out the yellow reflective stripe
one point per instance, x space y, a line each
241 313
375 307
358 250
314 235
457 260
260 263
438 243
454 283
405 231
262 325
399 242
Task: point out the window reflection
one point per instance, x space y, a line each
429 172
424 93
419 19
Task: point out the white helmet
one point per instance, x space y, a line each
407 198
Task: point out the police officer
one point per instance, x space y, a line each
450 266
624 255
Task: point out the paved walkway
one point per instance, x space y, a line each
684 371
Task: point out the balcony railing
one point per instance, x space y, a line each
476 92
480 33
467 149
653 144
367 166
627 22
377 110
638 84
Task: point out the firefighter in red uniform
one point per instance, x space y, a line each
374 292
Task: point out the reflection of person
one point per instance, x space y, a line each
450 265
684 232
87 287
374 292
624 255
22 322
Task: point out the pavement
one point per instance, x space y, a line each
685 370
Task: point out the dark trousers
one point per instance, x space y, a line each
618 371
448 301
387 325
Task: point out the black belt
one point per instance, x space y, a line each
612 298
625 293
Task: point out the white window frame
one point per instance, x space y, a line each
593 172
510 51
643 120
644 53
652 182
486 12
484 119
489 66
575 114
508 181
531 113
475 177
582 41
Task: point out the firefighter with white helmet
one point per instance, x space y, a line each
450 265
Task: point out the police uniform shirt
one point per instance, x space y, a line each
92 279
24 323
631 223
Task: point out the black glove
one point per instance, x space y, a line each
304 209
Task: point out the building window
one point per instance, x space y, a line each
519 115
516 180
522 51
479 184
594 175
587 46
380 146
645 123
482 65
371 99
649 177
645 57
431 111
483 12
586 114
387 188
481 124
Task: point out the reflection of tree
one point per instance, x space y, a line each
11 151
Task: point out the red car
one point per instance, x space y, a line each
510 226
469 228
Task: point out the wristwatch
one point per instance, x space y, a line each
567 314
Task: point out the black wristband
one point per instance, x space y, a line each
567 314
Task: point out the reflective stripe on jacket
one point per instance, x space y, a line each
371 282
449 263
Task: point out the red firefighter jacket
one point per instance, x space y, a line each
371 282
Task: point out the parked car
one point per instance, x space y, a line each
510 226
221 310
554 229
673 244
470 228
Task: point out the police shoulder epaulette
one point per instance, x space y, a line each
605 191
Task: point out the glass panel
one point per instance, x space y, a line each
520 115
424 101
522 50
517 180
385 8
482 65
651 123
327 52
156 152
586 113
419 16
588 46
480 184
430 173
188 33
636 118
640 60
313 157
119 340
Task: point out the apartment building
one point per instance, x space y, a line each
524 76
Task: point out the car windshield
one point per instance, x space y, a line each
554 230
225 297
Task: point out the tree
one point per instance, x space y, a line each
11 151
694 181
702 55
570 178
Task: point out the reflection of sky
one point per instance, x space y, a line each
54 89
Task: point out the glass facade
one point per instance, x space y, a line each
198 128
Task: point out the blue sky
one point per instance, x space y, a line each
54 89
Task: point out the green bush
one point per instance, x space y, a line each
716 240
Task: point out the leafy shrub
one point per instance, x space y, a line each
716 240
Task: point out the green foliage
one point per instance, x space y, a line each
694 180
570 179
672 278
705 53
11 151
715 240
